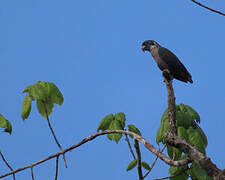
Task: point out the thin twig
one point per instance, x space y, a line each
32 173
56 167
52 131
153 164
213 10
175 175
136 145
7 164
93 136
131 150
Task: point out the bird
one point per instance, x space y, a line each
165 59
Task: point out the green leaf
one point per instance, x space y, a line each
195 139
41 108
133 129
45 91
164 116
115 125
202 134
105 122
182 133
159 136
164 127
183 119
173 152
4 123
177 170
132 165
26 107
198 173
54 93
145 165
122 118
193 113
39 92
27 89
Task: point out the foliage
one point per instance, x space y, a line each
45 93
145 165
187 120
4 123
132 165
116 122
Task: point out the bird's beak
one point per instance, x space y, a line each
143 48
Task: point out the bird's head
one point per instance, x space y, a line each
149 45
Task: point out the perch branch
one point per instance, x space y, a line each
171 102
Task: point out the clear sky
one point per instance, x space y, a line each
91 49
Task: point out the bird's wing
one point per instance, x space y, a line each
171 59
177 69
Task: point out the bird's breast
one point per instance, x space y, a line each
161 64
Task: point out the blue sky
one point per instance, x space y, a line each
92 51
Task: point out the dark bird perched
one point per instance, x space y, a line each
165 59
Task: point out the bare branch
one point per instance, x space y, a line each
32 173
131 150
57 167
153 164
53 133
93 136
136 145
213 10
7 164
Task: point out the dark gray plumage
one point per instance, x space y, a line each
165 59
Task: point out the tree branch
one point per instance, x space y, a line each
93 136
53 133
56 167
131 150
171 102
213 10
153 164
7 164
194 154
32 173
136 145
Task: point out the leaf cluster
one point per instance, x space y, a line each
116 122
46 95
187 120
